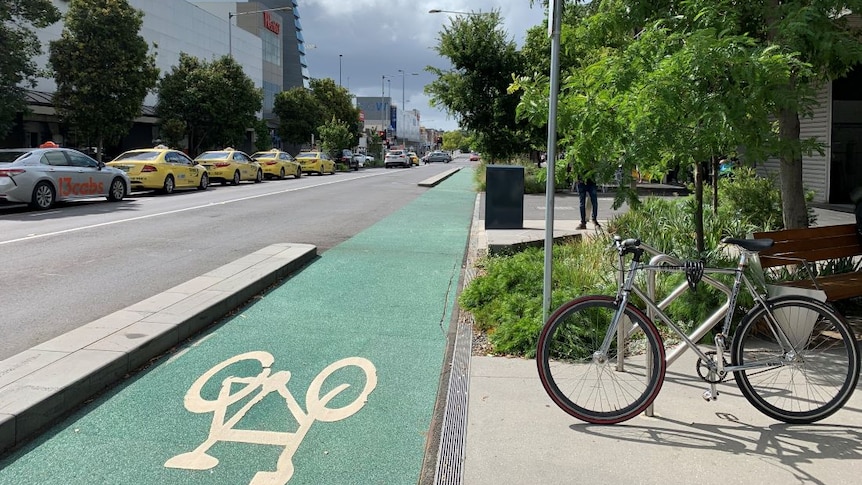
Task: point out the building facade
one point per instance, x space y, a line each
267 44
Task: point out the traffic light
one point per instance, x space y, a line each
439 140
382 134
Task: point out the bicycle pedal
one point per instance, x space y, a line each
709 396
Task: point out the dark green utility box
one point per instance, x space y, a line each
504 197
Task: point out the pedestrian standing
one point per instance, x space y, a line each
587 187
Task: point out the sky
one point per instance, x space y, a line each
378 37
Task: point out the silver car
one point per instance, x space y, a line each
42 176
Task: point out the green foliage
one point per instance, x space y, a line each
337 104
215 100
262 138
475 89
334 136
20 46
173 132
303 111
300 114
103 69
506 299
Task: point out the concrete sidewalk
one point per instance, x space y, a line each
515 434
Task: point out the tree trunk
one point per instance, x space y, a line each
100 148
714 166
790 173
698 208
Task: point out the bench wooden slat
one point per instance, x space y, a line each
816 244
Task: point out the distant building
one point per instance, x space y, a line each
269 45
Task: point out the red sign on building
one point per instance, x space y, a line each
270 24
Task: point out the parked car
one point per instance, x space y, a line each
162 169
230 166
397 158
474 157
42 176
362 159
316 162
278 164
437 156
347 159
414 158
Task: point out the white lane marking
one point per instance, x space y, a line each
30 237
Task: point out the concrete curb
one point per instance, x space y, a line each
432 181
52 379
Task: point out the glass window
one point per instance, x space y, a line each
81 160
55 158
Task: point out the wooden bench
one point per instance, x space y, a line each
808 246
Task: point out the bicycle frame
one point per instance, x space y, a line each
627 287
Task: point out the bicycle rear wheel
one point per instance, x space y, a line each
591 386
807 382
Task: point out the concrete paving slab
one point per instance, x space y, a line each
516 434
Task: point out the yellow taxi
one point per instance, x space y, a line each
414 159
277 164
162 169
316 162
230 166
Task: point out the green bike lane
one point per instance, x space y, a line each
330 377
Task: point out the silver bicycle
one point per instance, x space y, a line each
602 360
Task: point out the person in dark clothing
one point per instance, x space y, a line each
587 187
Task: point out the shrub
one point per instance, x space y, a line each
506 300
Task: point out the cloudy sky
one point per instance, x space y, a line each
378 37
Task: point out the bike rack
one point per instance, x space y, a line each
700 331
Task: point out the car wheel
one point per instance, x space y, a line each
298 173
235 180
281 174
117 190
205 182
43 196
259 178
169 186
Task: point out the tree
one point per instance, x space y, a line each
304 111
676 90
334 136
337 104
20 46
215 100
816 35
475 90
300 114
262 138
103 69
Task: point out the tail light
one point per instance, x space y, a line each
149 168
271 162
222 164
11 172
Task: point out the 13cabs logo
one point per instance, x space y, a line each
91 187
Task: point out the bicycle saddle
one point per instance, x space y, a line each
754 245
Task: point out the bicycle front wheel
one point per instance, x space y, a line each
595 386
803 365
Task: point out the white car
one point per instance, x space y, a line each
42 176
363 159
397 158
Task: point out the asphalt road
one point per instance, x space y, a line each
80 261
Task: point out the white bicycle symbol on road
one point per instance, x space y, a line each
265 383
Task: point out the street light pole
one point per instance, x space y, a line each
403 108
231 15
339 70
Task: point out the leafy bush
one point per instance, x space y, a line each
506 300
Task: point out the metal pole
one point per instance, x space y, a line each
229 35
339 70
555 9
382 118
401 108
